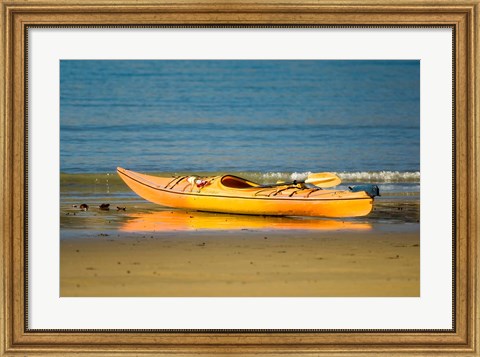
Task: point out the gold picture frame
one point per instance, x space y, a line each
462 16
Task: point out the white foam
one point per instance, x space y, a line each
380 176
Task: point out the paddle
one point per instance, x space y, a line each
319 179
323 179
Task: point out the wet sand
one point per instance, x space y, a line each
375 262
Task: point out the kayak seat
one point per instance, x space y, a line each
231 181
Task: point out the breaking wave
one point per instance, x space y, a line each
380 176
362 176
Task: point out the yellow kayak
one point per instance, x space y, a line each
232 194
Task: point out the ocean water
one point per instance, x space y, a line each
277 118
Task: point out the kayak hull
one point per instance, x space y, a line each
153 189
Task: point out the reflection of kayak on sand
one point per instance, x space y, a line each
177 220
232 194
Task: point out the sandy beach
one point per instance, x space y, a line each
318 258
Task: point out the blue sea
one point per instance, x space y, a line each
259 116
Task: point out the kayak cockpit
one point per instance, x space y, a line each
235 182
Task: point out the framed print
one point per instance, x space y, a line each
253 178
